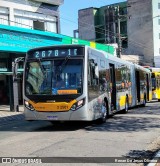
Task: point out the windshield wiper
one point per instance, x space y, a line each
63 64
41 67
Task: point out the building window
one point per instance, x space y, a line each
3 65
23 22
38 25
159 21
4 20
158 5
159 35
36 21
4 17
51 27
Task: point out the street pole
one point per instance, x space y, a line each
114 23
119 34
15 82
15 88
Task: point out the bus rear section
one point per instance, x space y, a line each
156 83
142 85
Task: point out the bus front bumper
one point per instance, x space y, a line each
78 115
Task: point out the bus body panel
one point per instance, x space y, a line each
141 86
156 83
133 86
97 93
80 114
108 83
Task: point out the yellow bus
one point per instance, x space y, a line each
156 83
79 83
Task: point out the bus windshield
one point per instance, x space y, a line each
54 77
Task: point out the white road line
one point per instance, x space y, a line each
156 156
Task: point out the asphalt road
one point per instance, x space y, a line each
134 135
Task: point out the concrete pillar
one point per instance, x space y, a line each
11 16
10 82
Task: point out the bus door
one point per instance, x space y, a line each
138 85
113 85
147 84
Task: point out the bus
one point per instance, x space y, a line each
80 83
156 83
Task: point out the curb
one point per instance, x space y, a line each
11 118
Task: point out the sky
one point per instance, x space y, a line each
69 12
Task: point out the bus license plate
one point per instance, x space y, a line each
52 117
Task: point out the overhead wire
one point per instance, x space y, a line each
113 34
105 30
116 34
32 27
66 39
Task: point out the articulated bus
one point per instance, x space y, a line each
156 83
79 83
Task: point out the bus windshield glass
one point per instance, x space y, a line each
54 77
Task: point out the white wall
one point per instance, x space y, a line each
156 32
140 29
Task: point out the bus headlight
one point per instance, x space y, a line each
28 105
78 104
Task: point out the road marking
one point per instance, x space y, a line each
156 156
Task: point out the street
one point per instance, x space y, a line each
131 135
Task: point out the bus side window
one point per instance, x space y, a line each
93 80
93 73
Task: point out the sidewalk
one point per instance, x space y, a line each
6 116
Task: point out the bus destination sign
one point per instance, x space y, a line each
58 52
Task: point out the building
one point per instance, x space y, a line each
105 24
24 24
32 14
144 30
134 25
